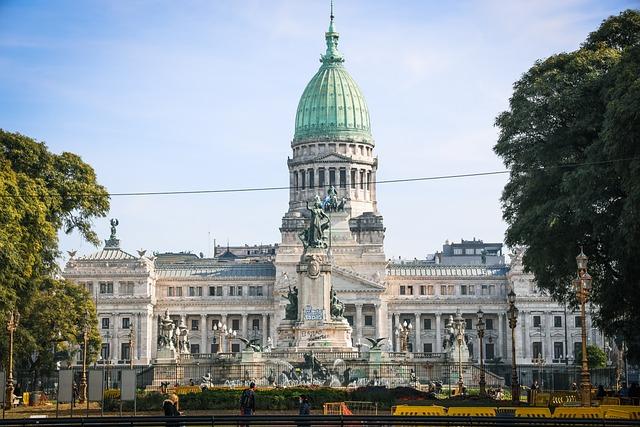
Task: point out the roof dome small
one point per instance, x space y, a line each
332 106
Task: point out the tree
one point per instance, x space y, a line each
40 194
570 139
595 356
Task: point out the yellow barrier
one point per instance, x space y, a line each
610 401
577 412
633 411
617 414
184 389
533 412
459 411
432 411
542 399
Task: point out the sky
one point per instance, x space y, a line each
201 95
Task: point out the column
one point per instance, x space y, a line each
379 325
221 339
243 327
524 341
396 318
273 333
264 330
358 323
548 345
203 334
438 348
500 342
417 347
391 336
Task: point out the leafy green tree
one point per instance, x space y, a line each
595 356
570 139
40 194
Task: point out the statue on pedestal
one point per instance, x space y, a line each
337 306
313 237
291 310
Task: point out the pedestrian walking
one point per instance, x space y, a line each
248 400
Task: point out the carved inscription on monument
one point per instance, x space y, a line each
311 313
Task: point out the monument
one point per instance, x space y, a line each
314 315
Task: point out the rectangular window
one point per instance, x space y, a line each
105 352
489 351
577 350
430 290
472 290
362 180
232 291
427 347
368 320
106 287
484 290
321 178
259 291
349 319
312 183
558 350
537 322
468 251
557 321
403 290
457 251
332 176
536 348
353 178
105 323
89 287
577 322
125 351
214 346
178 291
423 290
235 348
410 290
235 324
443 289
170 291
126 323
195 349
368 181
468 324
295 180
239 290
195 324
426 324
218 291
192 291
488 323
252 291
255 324
126 288
343 178
492 289
212 291
463 289
303 180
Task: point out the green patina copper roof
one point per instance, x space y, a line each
332 106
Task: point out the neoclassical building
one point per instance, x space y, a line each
243 288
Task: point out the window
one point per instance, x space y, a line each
192 291
463 289
194 348
410 290
302 180
332 176
457 251
577 322
488 323
430 290
214 346
489 351
343 178
468 251
212 291
468 324
558 350
368 181
178 291
105 323
312 183
427 347
536 348
126 288
362 180
577 350
423 290
557 321
349 319
235 324
125 351
537 322
403 290
321 177
447 290
126 323
259 291
353 178
368 320
171 291
89 287
106 287
426 324
235 348
105 352
218 291
195 324
295 180
232 291
239 291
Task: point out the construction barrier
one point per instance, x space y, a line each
577 412
476 411
431 411
533 412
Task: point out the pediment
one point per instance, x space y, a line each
346 281
332 157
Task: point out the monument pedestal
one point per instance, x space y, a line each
334 335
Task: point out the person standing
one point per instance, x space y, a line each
248 400
170 408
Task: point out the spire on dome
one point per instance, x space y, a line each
332 55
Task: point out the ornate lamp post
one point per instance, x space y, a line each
132 342
85 342
513 321
458 326
480 326
12 325
582 287
403 332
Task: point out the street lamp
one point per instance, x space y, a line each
513 321
582 286
403 332
480 326
85 341
12 324
458 326
132 341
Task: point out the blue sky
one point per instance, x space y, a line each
187 95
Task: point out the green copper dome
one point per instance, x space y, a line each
332 106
